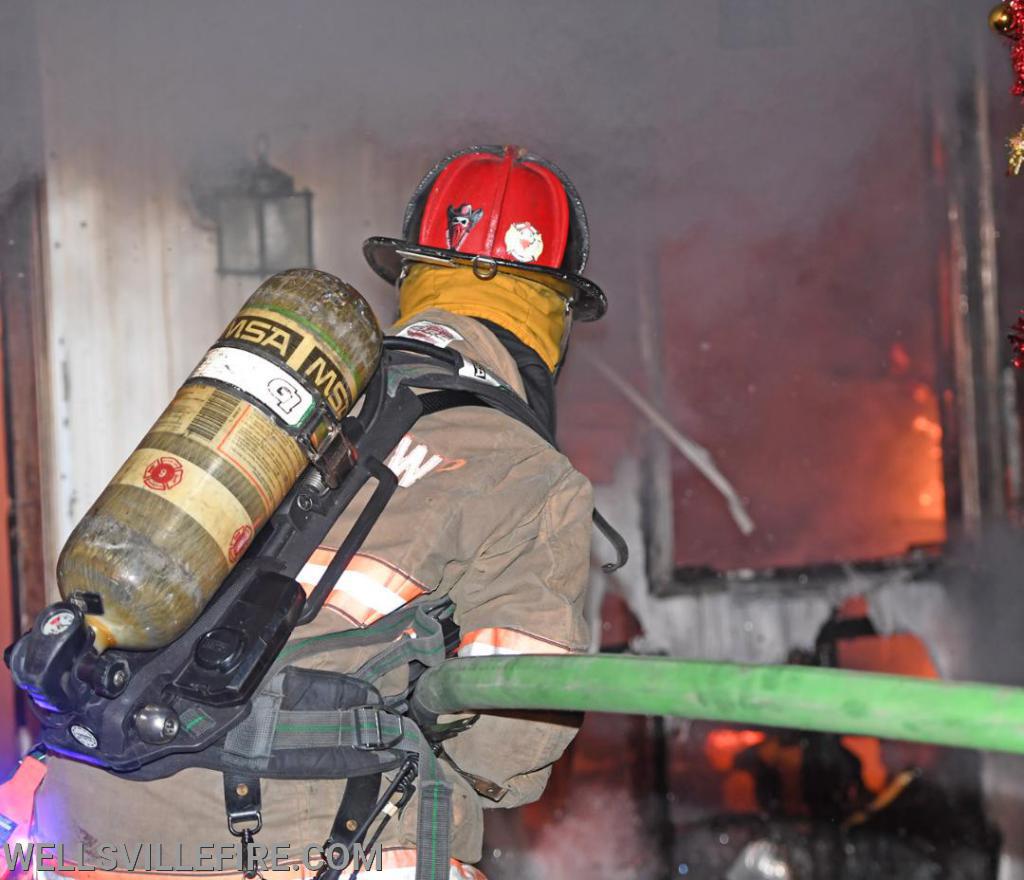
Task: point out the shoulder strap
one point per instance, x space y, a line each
425 366
438 401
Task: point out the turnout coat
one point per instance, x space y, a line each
487 514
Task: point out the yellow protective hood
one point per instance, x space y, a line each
534 313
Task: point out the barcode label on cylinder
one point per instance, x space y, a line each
213 415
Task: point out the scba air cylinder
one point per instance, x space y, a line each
187 503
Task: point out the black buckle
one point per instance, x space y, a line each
236 820
362 742
242 801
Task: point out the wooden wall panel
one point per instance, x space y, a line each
133 296
8 624
21 286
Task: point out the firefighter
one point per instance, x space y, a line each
487 514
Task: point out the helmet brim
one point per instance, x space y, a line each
386 256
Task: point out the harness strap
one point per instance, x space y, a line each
356 806
434 816
425 642
366 729
438 401
347 829
357 809
254 737
494 395
433 830
411 634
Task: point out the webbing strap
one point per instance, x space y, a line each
355 810
498 397
439 401
424 642
365 728
433 831
412 633
254 737
434 816
371 729
387 482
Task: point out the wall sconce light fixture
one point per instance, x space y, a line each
263 225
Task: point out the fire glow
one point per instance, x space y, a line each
931 496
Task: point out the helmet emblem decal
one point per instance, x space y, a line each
461 221
524 242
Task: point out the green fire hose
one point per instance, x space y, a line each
974 716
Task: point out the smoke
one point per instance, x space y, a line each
680 105
757 175
20 113
739 116
600 833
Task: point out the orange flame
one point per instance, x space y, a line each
932 495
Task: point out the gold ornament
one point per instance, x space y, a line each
1016 157
1000 19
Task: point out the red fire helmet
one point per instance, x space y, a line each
497 209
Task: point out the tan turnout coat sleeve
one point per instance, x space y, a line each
486 513
529 582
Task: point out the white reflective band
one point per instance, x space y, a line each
366 590
359 586
311 574
270 384
484 649
496 640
